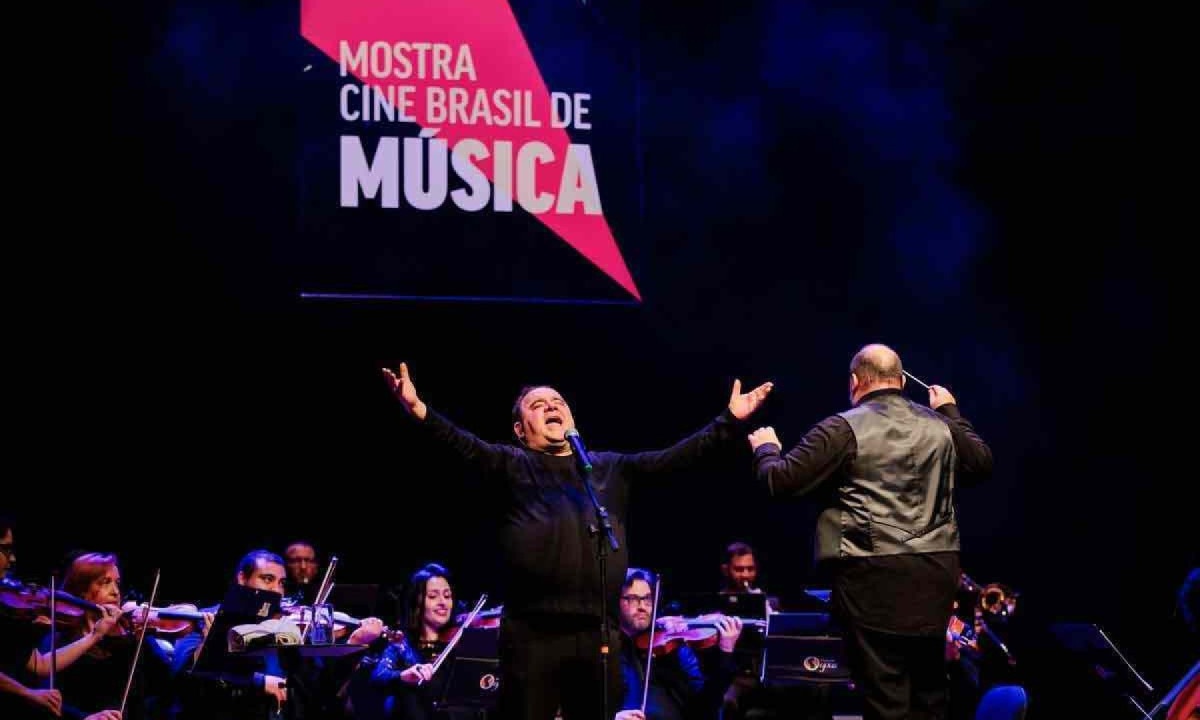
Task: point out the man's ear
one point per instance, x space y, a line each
725 569
519 432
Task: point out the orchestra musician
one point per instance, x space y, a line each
679 689
22 666
242 687
96 681
739 572
302 569
403 672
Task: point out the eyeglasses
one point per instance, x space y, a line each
638 599
301 561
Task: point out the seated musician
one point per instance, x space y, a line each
301 587
243 687
323 682
22 666
399 676
97 680
302 570
739 572
253 686
679 689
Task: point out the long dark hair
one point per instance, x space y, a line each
414 598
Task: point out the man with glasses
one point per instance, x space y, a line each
679 688
302 568
16 644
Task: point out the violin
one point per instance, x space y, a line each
31 603
673 632
484 620
170 623
343 624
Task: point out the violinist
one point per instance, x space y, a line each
16 649
679 688
96 681
240 687
22 666
405 668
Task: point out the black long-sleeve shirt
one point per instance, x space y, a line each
549 557
96 682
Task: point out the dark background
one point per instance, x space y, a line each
955 179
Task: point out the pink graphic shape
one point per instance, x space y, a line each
502 60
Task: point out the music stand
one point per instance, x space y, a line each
241 606
472 683
748 606
356 600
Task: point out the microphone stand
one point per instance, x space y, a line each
602 531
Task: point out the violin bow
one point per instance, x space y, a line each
650 646
137 650
326 582
53 630
457 636
322 595
323 592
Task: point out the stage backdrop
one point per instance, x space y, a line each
467 148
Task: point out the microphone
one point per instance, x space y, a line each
585 460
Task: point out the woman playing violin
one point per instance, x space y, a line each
679 688
405 665
22 666
96 682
